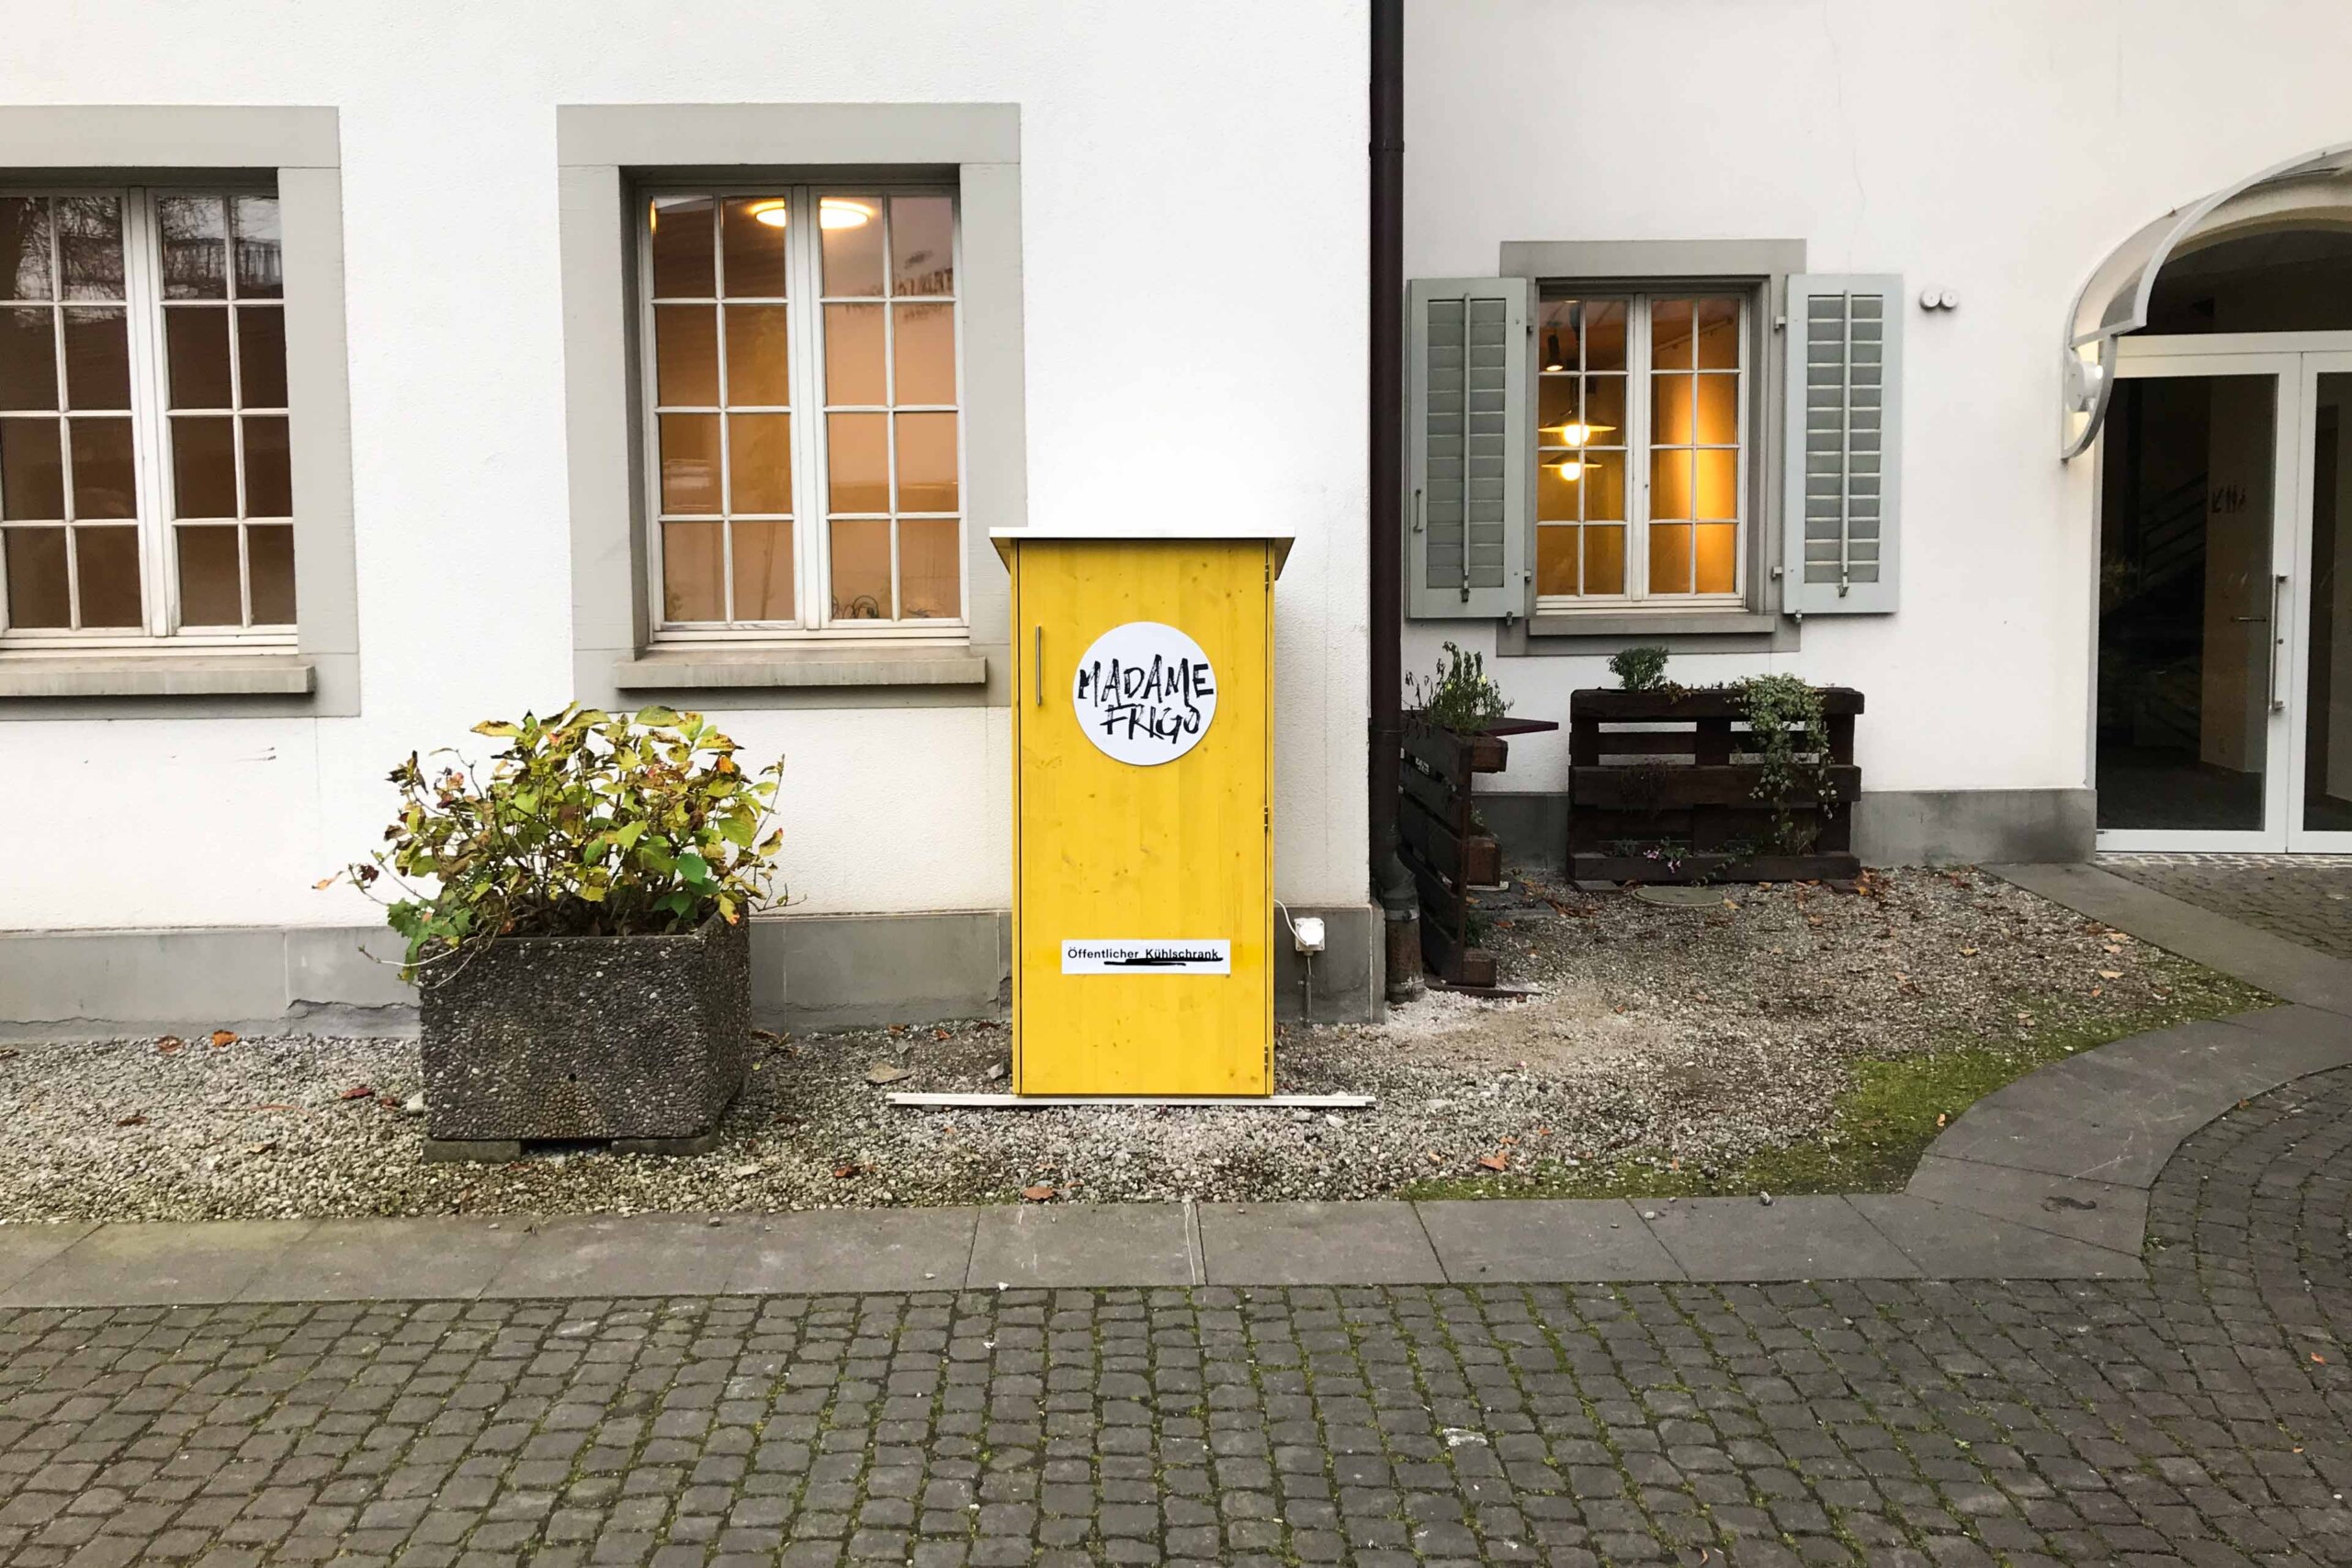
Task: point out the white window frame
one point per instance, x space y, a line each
1637 594
150 417
812 564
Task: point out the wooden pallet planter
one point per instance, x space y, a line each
1442 841
1675 799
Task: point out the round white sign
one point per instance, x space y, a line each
1144 694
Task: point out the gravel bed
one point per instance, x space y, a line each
1708 1031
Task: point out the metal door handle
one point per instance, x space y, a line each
1037 665
2278 586
1420 519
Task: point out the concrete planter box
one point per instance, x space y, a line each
641 1040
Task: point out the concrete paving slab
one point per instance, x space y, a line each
2111 1117
855 1250
1790 1238
2304 1040
2096 1214
1949 1243
2277 965
1095 1244
351 1261
148 1264
1317 1244
620 1254
25 1245
1551 1240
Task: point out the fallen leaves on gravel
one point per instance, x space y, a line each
133 1120
1495 1162
359 1091
1036 1194
169 1043
845 1171
223 1037
885 1072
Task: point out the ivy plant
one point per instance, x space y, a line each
585 824
1789 732
1459 694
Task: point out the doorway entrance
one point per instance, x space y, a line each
2223 716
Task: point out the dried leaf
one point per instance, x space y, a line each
221 1037
1495 1162
261 1148
1036 1194
2319 1358
169 1043
1436 1158
885 1072
939 1034
133 1120
843 1172
1939 1117
2110 974
359 1091
1968 952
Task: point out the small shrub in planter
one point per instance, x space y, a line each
1459 695
576 927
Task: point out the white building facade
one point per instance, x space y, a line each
367 374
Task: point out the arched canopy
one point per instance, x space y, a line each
2314 187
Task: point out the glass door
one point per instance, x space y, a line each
2320 641
2196 530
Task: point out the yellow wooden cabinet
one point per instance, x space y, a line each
1143 812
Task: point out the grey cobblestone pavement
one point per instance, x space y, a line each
2305 899
2200 1417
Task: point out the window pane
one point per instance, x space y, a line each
204 468
107 560
24 248
97 359
759 366
196 345
764 572
931 569
927 462
1717 492
1604 560
36 576
1670 411
27 358
259 248
32 482
270 553
1559 482
1603 482
104 483
682 247
852 244
694 573
1670 335
853 354
753 229
690 462
1555 561
1605 334
89 246
1718 573
923 353
759 462
857 462
1718 417
193 233
685 354
922 244
1670 484
269 480
1671 558
1719 332
1556 333
1604 408
1559 400
261 356
211 593
860 564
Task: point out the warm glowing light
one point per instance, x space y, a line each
1554 369
837 212
1570 470
774 214
1575 434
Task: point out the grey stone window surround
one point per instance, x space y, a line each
605 154
150 144
1765 266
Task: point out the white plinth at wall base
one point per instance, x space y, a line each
1039 1101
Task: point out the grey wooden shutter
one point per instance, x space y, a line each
1841 515
1469 445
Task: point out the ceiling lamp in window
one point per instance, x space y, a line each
1573 434
838 212
1570 470
776 214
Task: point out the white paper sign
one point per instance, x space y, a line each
1112 956
1144 694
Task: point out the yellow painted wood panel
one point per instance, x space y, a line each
1106 850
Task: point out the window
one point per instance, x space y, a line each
145 485
1642 481
803 428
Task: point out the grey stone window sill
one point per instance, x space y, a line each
157 675
673 669
1737 623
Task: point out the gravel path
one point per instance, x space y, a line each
1708 1031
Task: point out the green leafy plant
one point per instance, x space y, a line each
1788 733
1639 668
1459 694
586 824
